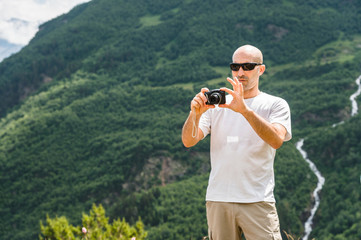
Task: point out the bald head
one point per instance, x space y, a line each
247 53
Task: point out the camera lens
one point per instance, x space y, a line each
215 98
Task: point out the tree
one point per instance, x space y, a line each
95 226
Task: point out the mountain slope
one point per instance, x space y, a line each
92 108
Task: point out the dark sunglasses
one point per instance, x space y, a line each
245 66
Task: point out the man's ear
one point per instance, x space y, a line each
262 69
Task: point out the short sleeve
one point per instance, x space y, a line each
205 123
281 114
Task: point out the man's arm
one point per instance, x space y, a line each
191 134
272 133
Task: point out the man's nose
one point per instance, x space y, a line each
240 72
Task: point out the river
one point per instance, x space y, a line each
354 96
320 182
320 178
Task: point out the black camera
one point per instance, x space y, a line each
215 96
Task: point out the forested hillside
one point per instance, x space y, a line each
92 110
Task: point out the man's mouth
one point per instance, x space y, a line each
241 79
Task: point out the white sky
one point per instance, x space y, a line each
19 19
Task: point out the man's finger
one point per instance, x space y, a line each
202 97
231 81
201 94
227 90
241 87
238 85
203 90
199 101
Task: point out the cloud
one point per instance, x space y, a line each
19 20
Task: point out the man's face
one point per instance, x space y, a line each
249 79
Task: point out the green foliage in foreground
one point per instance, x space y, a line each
94 226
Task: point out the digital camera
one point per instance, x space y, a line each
215 96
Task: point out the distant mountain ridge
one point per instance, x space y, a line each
106 128
6 49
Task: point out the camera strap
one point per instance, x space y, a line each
194 128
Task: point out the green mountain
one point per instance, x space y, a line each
92 110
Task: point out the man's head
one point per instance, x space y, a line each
246 74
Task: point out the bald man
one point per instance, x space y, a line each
245 133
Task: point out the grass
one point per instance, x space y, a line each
341 50
148 21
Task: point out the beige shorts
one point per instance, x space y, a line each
257 221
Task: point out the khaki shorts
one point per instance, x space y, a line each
257 221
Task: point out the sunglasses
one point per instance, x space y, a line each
245 66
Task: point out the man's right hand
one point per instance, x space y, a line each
191 135
198 104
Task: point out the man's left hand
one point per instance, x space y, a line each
237 104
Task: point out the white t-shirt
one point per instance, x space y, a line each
241 162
